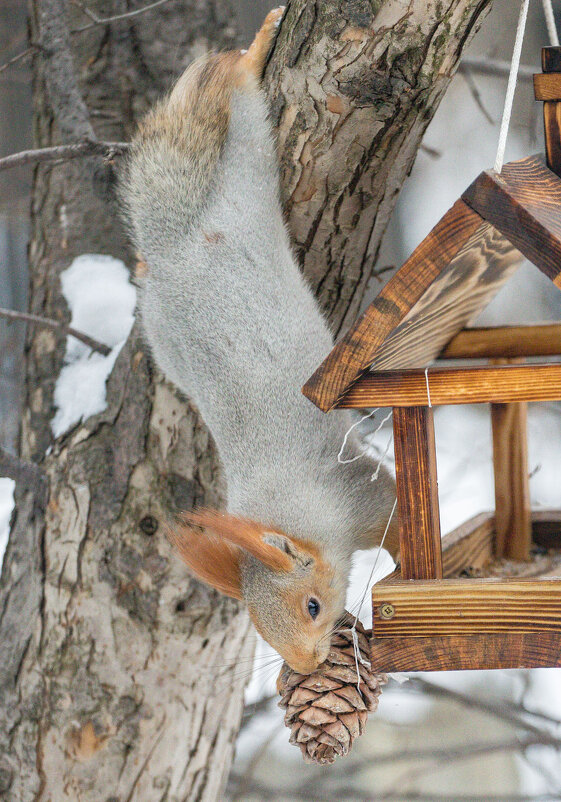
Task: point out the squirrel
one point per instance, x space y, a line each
232 323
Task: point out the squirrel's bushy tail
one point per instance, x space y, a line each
171 164
170 169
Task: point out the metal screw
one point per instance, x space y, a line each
387 610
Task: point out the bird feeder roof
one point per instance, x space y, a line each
451 276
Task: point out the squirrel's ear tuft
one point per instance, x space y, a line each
243 534
210 559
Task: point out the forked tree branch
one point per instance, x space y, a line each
95 22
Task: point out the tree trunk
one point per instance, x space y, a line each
353 87
110 688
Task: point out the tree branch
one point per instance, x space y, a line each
116 18
496 67
73 150
96 21
48 323
26 474
19 57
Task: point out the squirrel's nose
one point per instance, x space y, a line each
322 650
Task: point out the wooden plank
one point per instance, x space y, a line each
547 86
551 59
552 135
355 352
546 528
509 424
551 63
467 607
454 299
470 545
471 385
483 651
524 204
417 493
505 341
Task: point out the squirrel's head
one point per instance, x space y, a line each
294 597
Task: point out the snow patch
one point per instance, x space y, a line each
101 301
7 487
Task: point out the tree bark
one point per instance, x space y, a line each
110 687
353 86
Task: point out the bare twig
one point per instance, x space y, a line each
48 323
116 18
87 11
257 707
490 66
353 794
433 756
20 56
242 787
25 473
476 94
74 150
498 710
95 22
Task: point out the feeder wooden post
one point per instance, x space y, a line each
512 490
417 493
547 87
513 515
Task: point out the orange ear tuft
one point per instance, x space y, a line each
243 533
211 560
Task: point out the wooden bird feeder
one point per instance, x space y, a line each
422 621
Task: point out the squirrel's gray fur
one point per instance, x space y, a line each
233 324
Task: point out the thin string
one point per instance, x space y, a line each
428 388
340 459
353 631
376 474
511 87
380 547
550 23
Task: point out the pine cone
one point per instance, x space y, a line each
325 710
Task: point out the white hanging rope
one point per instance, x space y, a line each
511 87
550 23
428 388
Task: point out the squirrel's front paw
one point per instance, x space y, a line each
254 59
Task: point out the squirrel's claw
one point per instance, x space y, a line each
253 59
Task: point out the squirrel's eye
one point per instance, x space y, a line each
313 608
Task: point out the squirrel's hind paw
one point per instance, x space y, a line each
253 60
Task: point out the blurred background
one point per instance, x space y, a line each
457 736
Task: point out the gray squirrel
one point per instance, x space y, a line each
232 323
